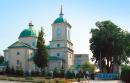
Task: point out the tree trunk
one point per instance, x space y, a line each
108 67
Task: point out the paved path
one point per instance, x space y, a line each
99 81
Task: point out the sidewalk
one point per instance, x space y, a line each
100 81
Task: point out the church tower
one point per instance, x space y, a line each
61 45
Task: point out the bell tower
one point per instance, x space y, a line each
61 45
61 28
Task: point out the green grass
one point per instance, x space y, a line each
35 79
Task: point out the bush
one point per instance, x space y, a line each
7 70
2 72
55 72
12 71
58 73
125 76
19 72
62 71
34 73
70 74
43 73
29 78
80 74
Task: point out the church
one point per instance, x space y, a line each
61 55
20 54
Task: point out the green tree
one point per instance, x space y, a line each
8 70
88 66
41 56
1 59
109 44
12 70
125 67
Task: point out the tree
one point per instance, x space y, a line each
41 56
88 66
125 67
8 70
1 59
109 44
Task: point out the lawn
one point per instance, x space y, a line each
36 79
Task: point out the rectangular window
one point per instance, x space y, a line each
18 62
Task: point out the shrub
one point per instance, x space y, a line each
56 72
69 74
29 78
62 73
80 74
34 73
125 76
7 70
2 72
19 72
12 71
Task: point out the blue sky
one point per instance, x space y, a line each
81 14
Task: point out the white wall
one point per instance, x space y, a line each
24 54
54 64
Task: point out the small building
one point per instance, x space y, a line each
80 59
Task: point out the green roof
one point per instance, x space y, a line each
60 20
53 58
50 58
75 66
30 32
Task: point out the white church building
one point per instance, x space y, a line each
20 54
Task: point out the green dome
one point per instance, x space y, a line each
60 20
30 32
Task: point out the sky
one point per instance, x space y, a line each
81 14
